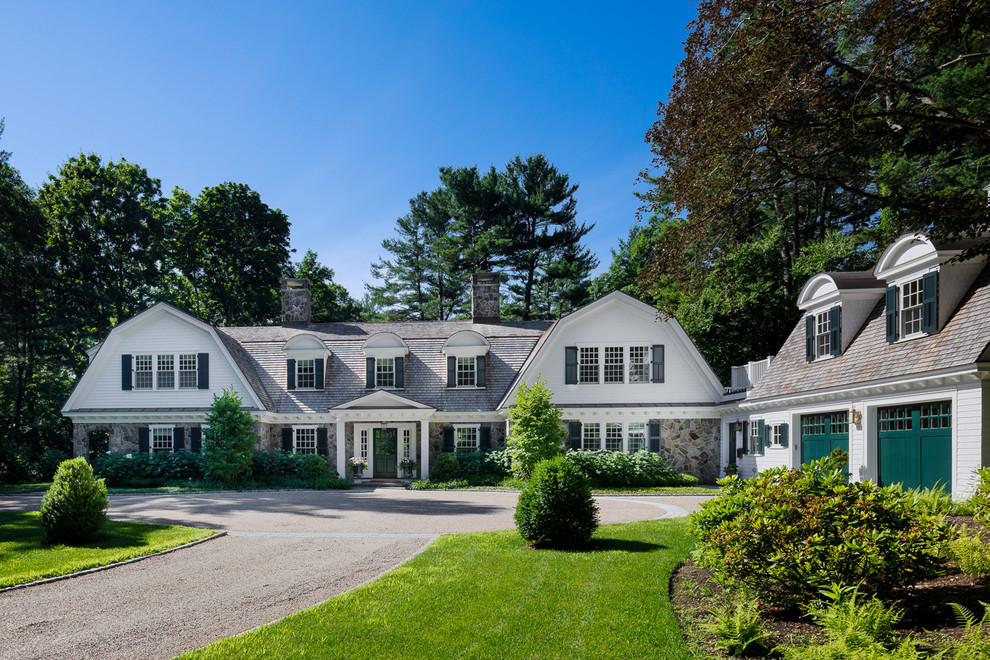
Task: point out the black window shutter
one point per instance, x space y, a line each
658 369
125 372
655 437
929 302
143 443
195 439
290 374
318 368
570 365
485 437
448 438
178 438
761 434
369 372
784 431
835 329
891 312
400 371
287 439
732 443
203 371
809 338
321 441
745 438
451 371
479 371
574 434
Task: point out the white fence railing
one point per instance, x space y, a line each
748 375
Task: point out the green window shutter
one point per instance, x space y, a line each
784 432
733 442
203 371
761 435
835 329
479 371
400 372
745 437
485 437
574 434
369 372
290 374
655 437
321 441
809 338
451 371
570 365
320 373
144 445
178 439
658 364
929 302
890 303
196 440
287 439
125 372
448 439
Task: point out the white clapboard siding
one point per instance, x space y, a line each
967 421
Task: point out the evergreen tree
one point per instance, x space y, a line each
330 300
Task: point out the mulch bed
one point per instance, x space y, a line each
928 617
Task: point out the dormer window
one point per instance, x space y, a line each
823 336
305 368
385 359
385 372
466 353
911 308
305 374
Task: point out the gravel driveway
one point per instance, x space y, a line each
285 551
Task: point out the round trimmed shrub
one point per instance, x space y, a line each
447 468
555 509
75 507
314 467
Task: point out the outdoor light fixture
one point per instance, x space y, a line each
739 427
857 416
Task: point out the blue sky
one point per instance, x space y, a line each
339 113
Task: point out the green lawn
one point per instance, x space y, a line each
13 489
485 595
24 556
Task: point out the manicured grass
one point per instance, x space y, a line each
485 595
659 490
25 557
12 489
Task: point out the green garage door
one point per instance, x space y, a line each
822 434
915 445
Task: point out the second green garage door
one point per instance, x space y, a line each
822 434
915 445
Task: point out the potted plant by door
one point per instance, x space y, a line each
357 465
408 465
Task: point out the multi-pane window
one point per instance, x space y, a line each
364 444
385 372
936 415
143 375
895 419
775 434
187 371
466 438
304 441
911 308
166 372
406 443
613 436
161 439
840 422
615 367
639 364
823 338
465 372
754 436
591 436
588 364
305 374
637 436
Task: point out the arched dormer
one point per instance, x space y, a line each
836 305
385 356
305 363
467 357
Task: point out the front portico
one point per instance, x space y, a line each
385 428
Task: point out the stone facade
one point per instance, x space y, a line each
692 446
485 302
296 301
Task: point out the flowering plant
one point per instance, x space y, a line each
731 468
357 463
408 464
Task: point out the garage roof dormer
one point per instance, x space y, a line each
836 305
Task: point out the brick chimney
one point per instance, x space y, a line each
296 302
485 298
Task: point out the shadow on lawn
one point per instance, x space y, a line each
623 545
23 531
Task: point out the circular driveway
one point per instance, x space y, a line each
284 551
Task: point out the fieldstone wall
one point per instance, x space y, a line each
692 446
270 439
436 438
485 298
296 301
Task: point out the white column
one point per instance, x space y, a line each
424 449
341 450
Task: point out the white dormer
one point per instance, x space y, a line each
466 353
922 288
385 356
305 364
836 305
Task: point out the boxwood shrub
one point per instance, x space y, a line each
787 534
74 508
981 499
555 509
618 469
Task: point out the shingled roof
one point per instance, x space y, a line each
963 340
260 350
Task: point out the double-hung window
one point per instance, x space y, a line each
588 364
754 437
591 436
161 439
385 372
823 345
188 375
615 364
911 308
466 371
823 333
639 364
613 436
304 440
637 436
166 372
305 374
143 373
466 438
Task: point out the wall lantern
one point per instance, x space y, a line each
857 417
738 427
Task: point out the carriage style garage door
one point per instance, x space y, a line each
915 445
822 434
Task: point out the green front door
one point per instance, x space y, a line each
386 448
915 445
822 434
